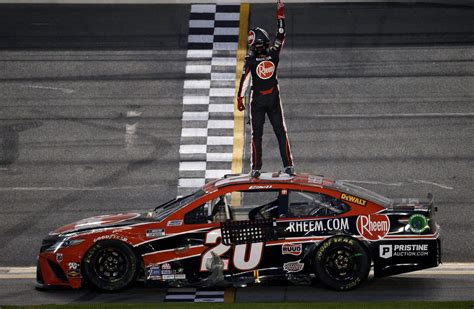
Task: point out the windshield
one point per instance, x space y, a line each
363 193
169 207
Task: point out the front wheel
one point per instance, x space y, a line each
342 263
110 265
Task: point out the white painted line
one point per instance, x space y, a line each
227 61
192 100
191 149
219 157
437 273
201 24
198 69
18 270
17 276
203 8
226 31
413 115
200 38
442 270
63 90
225 46
220 140
432 183
80 188
222 92
211 174
180 296
220 124
191 182
199 53
192 166
209 300
399 184
132 114
227 16
194 132
195 116
221 108
204 293
130 135
395 184
197 84
222 76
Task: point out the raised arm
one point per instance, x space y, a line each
280 36
243 86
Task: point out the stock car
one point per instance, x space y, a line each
239 230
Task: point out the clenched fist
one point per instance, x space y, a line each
240 103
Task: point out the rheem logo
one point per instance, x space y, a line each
251 37
265 69
373 227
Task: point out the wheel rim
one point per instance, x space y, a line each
110 264
342 263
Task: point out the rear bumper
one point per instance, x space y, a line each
402 256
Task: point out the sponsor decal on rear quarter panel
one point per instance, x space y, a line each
293 267
373 227
293 249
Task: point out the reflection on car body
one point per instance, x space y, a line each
239 230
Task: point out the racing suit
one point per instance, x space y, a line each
261 71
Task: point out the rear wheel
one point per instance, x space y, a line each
110 265
342 263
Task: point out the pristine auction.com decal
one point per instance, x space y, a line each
388 251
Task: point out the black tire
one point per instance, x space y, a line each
110 265
341 263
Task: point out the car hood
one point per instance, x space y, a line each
103 222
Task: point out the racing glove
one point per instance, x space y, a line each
240 103
280 10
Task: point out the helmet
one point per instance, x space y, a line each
258 40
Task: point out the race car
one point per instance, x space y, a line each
240 230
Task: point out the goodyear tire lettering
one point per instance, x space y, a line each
341 263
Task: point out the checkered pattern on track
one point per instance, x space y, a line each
191 295
208 101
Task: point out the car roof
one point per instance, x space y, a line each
301 179
298 179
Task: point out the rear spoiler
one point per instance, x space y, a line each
414 203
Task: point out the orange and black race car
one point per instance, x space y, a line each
239 230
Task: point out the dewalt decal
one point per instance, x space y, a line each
353 199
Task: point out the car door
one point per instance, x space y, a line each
251 231
310 218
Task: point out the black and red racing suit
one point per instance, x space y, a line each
261 72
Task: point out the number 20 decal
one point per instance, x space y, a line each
240 253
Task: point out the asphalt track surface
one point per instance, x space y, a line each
377 94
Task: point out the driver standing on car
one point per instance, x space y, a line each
260 69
